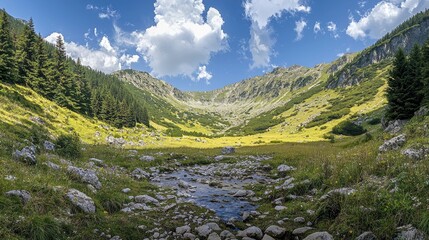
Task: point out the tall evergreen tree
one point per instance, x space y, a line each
44 80
7 58
26 54
425 73
414 80
396 89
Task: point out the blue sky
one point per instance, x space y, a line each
207 44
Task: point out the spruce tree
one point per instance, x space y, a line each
396 88
26 54
45 74
7 58
425 73
414 94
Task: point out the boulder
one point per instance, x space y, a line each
409 232
182 230
146 199
393 144
275 231
394 127
26 155
226 234
189 236
285 168
267 237
53 165
22 194
214 226
367 236
80 200
299 220
86 176
49 146
319 236
203 231
228 150
423 111
139 174
214 236
415 154
254 232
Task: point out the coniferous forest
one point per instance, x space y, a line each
26 59
408 88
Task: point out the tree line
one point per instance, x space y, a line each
26 59
408 85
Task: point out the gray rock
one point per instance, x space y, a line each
240 193
245 216
214 226
182 230
367 236
22 194
393 144
189 236
49 146
214 236
126 190
86 176
97 161
146 199
280 208
53 165
410 233
394 127
319 236
423 111
341 191
115 141
139 174
285 168
299 220
267 237
275 231
301 230
226 234
416 154
146 158
203 231
254 232
183 184
26 155
80 200
228 150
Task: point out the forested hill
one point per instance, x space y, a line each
26 59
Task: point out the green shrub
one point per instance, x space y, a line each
349 129
68 145
374 121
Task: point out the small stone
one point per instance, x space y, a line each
53 165
319 236
146 199
189 236
126 190
86 176
254 232
275 231
22 194
214 226
393 144
267 237
302 230
203 231
367 236
299 220
228 150
280 208
240 193
146 158
226 234
26 155
285 168
49 146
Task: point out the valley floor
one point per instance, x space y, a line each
283 191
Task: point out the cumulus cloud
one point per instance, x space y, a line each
299 28
332 27
181 40
384 17
260 12
204 74
105 59
317 28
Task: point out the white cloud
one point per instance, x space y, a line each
103 12
299 28
332 27
95 32
260 12
384 17
203 74
317 28
105 59
181 40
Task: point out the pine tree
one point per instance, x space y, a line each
396 89
425 73
414 77
44 80
84 93
145 117
26 55
96 102
7 60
